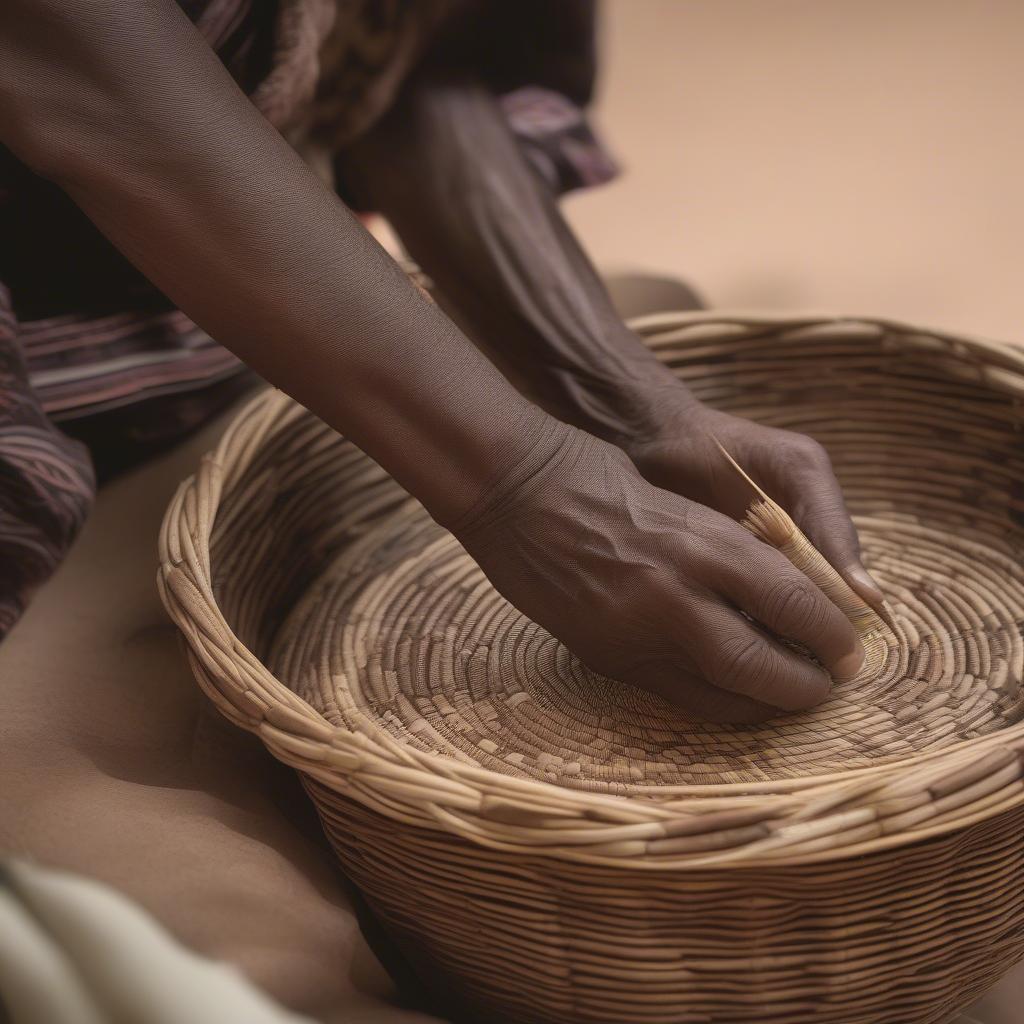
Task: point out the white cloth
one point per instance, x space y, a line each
73 951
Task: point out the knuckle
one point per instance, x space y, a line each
744 660
791 606
722 542
807 452
811 448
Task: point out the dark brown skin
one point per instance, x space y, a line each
487 230
125 107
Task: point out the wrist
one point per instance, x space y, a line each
637 406
538 443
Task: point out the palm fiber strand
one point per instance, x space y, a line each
768 521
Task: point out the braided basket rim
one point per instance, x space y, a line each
780 822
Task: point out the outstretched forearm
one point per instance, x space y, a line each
127 109
446 171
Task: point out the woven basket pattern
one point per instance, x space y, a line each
559 847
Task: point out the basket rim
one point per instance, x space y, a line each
782 822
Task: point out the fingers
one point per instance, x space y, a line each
862 583
699 698
741 574
742 658
828 527
818 508
766 586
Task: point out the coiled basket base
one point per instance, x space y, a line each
554 847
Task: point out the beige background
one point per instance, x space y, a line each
860 156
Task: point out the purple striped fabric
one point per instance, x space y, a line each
83 367
46 481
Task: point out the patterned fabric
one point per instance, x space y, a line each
557 139
87 342
46 482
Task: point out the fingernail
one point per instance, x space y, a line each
861 581
849 664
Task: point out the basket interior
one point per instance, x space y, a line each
357 601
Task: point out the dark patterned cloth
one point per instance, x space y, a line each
86 342
46 482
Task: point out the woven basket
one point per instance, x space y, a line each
555 847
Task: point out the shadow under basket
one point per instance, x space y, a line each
557 848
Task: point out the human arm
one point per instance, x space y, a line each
127 109
486 228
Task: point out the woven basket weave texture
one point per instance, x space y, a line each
557 847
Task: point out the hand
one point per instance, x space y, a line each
651 588
680 454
